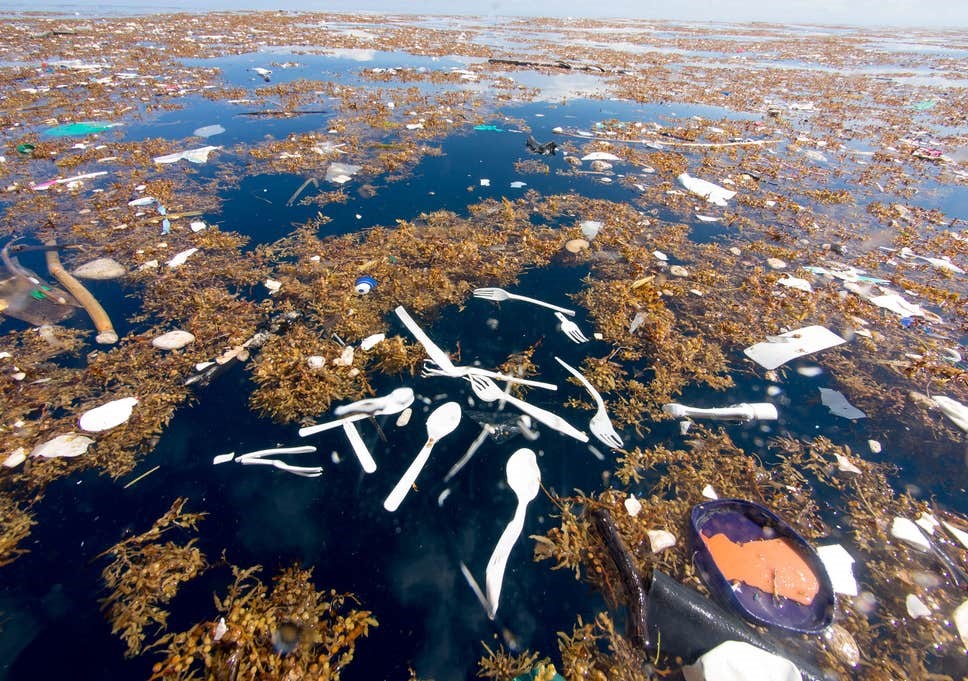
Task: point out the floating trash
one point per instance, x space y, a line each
659 540
173 340
107 416
181 258
78 129
199 155
364 285
778 350
100 269
68 446
838 405
713 193
576 245
209 130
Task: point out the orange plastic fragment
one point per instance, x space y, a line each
771 565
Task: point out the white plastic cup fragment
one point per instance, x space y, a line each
107 416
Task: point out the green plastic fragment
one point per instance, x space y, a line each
37 294
25 148
74 129
924 104
488 128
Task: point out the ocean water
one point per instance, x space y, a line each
403 566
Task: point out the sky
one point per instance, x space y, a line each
894 13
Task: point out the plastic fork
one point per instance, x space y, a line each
460 372
489 391
570 329
499 295
600 425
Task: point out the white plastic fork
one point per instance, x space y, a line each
600 425
488 391
460 372
500 295
570 329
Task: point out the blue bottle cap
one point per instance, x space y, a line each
365 284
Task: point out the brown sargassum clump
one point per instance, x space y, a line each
145 574
885 567
290 632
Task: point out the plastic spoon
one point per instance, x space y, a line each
524 479
394 403
441 422
359 448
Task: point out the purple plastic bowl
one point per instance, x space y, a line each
744 521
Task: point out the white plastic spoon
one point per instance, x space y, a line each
524 478
441 422
359 448
394 403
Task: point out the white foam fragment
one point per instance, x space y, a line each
199 155
660 540
845 466
223 458
838 405
173 340
927 522
840 567
404 417
67 446
778 350
15 458
713 193
709 492
107 416
916 607
371 342
960 616
600 156
796 283
907 531
954 410
181 258
960 535
633 505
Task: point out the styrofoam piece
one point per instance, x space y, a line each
223 458
371 342
709 492
173 340
838 405
15 458
779 350
927 522
199 155
100 269
179 259
660 540
740 661
840 568
797 283
590 229
844 464
633 505
107 416
896 303
960 617
907 531
341 173
600 156
954 410
916 607
713 193
958 534
69 445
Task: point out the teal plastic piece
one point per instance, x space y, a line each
77 129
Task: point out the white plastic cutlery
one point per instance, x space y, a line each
442 421
524 478
460 372
394 403
499 295
488 391
600 425
439 357
570 329
359 448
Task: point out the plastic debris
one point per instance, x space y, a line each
208 131
100 269
776 263
954 410
737 412
273 285
633 505
678 271
77 129
261 72
73 181
907 531
740 661
958 534
797 283
173 340
179 259
487 127
199 155
916 607
341 173
659 540
517 184
67 446
709 492
840 568
659 255
543 148
713 193
364 285
844 464
15 458
943 263
197 225
600 156
960 616
576 245
371 342
838 405
590 229
107 416
778 350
